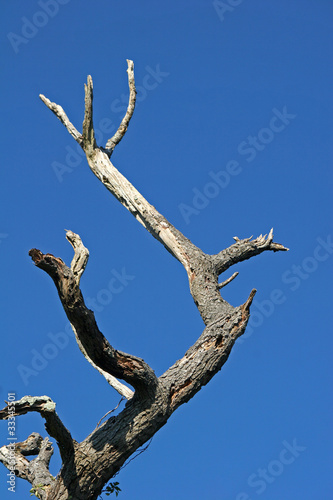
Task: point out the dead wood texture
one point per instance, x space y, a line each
89 465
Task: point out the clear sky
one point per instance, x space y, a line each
231 136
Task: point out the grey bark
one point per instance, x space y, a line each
89 465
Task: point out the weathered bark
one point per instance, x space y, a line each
87 466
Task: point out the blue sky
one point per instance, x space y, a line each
230 138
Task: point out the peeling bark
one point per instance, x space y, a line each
87 466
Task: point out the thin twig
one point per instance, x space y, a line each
111 411
135 456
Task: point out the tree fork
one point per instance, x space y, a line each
87 466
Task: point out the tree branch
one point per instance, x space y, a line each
39 466
206 357
98 160
245 249
226 282
122 389
88 134
202 269
91 341
31 446
81 255
60 113
112 143
15 461
54 426
104 451
36 472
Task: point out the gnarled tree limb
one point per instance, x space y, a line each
90 464
202 269
54 426
91 341
35 471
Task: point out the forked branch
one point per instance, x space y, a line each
202 269
91 341
54 426
35 471
111 443
13 456
245 249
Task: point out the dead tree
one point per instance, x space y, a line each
89 465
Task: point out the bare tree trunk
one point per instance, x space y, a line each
89 465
